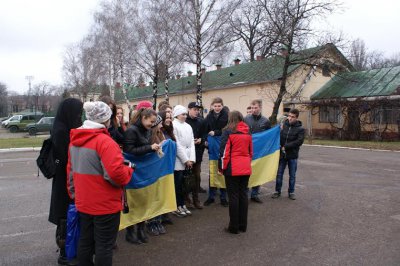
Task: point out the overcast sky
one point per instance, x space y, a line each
34 34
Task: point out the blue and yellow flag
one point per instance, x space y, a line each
151 191
265 161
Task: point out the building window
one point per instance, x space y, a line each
329 114
387 115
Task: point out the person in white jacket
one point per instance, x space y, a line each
186 155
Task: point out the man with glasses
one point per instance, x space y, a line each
292 137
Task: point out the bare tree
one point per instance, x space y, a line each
291 20
3 99
42 93
205 26
363 59
157 53
339 39
81 67
358 55
251 27
116 41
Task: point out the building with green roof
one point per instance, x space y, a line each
239 84
359 105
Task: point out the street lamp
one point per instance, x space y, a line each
29 79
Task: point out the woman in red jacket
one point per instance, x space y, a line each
236 151
95 176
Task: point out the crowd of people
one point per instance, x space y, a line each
91 172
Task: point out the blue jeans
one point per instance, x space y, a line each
212 192
255 191
292 165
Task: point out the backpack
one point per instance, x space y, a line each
45 161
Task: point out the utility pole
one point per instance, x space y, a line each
29 79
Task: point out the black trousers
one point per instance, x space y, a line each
98 235
197 176
238 201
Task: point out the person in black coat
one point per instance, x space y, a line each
292 137
69 116
137 142
115 128
215 121
199 132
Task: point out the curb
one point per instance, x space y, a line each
310 145
349 148
20 149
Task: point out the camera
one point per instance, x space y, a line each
132 165
125 208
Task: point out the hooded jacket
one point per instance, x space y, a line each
95 171
68 116
292 137
236 151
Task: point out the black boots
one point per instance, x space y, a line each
132 235
61 234
165 219
136 234
141 232
62 259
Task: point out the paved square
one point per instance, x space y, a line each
347 212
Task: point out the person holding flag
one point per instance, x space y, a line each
215 121
257 123
137 142
236 152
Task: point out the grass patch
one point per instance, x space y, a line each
378 145
21 142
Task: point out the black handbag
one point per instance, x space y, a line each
188 181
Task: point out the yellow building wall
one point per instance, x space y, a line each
238 98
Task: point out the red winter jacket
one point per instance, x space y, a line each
95 172
236 151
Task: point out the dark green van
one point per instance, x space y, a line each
25 119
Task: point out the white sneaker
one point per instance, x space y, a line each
180 212
185 209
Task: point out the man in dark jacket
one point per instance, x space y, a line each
199 131
257 123
215 121
292 137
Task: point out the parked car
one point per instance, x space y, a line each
5 122
43 125
20 124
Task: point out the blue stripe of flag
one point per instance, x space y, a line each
150 167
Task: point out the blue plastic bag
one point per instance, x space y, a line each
73 232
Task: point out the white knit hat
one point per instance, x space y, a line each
179 109
98 112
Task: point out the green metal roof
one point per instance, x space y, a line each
376 82
269 69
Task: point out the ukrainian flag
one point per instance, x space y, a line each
151 191
266 148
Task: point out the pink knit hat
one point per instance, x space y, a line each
144 104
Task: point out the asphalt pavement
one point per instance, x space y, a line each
347 212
